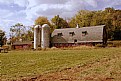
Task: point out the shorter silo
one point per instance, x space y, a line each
37 36
45 37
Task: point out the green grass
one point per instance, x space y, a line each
16 64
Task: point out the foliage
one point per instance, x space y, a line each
42 20
19 32
110 17
59 22
3 38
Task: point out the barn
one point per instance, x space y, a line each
79 36
22 45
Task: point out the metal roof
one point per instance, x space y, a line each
22 43
84 34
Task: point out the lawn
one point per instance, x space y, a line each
20 64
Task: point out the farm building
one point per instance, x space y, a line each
22 45
69 36
65 37
79 36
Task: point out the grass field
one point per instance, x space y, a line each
86 64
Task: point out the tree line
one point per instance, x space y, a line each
109 17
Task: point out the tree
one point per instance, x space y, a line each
2 38
59 22
109 17
82 18
18 29
42 20
19 32
72 22
29 36
117 34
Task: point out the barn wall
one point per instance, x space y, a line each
59 45
22 47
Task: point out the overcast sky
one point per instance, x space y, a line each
26 11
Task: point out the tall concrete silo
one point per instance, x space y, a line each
45 38
37 36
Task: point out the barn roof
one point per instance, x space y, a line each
85 34
22 43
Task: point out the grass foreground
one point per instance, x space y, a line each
98 63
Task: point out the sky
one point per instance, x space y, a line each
26 11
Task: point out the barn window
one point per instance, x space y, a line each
75 40
71 33
60 34
84 33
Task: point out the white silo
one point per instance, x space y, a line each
37 36
45 40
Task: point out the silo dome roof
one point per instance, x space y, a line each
45 25
37 26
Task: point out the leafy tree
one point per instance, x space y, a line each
59 22
72 22
83 18
29 36
117 34
42 20
2 38
109 17
19 32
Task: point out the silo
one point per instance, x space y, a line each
45 40
37 36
